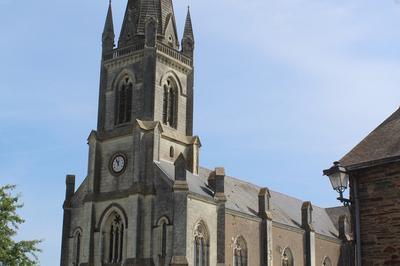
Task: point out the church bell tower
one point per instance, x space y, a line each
145 116
146 90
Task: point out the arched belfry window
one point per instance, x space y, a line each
77 247
287 257
170 103
124 101
240 252
201 245
113 233
327 262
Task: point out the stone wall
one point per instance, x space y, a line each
199 210
379 198
249 229
283 237
327 248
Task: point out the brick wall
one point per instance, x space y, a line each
379 197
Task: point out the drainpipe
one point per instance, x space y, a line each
357 213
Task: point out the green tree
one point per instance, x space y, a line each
12 253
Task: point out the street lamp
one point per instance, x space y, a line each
339 179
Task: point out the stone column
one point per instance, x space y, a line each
306 224
180 213
265 228
66 229
219 175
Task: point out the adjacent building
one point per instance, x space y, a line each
373 167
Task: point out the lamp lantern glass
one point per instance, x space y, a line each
339 180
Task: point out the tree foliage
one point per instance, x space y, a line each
13 253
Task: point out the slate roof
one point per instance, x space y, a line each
243 197
138 12
382 143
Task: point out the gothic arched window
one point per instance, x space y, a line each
287 257
170 104
240 252
77 247
113 239
124 101
327 262
162 232
201 245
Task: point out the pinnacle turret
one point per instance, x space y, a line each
188 32
188 36
108 32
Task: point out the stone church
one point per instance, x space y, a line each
147 201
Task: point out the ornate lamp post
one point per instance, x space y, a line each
340 181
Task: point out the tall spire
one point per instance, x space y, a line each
108 32
138 13
188 36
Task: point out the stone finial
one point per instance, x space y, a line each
70 186
264 204
344 228
306 216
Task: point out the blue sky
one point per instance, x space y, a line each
283 88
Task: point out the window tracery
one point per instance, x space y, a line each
113 239
201 245
240 252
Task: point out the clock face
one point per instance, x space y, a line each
118 164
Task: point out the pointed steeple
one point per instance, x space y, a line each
188 36
108 32
138 13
